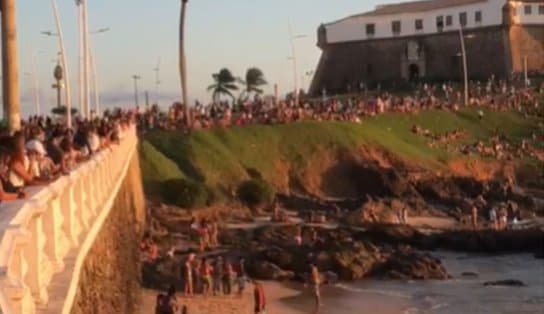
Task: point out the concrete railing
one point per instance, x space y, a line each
49 234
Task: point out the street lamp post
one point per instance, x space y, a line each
94 72
294 59
158 80
35 82
136 78
465 63
67 90
57 74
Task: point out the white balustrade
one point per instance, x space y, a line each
38 233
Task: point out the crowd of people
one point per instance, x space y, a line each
45 149
493 94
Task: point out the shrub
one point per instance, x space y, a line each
185 193
256 192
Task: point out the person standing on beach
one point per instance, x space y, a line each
474 216
206 271
218 277
188 275
242 277
315 281
168 303
260 298
228 276
493 218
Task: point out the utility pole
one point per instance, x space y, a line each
465 66
158 80
94 73
81 93
67 90
86 61
10 82
146 98
292 39
136 78
57 74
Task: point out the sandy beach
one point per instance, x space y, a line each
275 294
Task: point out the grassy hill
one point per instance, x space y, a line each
222 158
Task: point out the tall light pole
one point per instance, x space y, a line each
67 90
95 73
35 81
158 80
292 39
136 78
81 93
462 38
84 60
10 82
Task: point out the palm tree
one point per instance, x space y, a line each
182 61
253 82
10 79
224 84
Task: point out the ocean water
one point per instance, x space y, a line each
462 295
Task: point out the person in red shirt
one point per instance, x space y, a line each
260 298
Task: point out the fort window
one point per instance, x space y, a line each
440 23
369 69
370 29
541 9
419 25
528 9
449 20
478 16
396 27
463 18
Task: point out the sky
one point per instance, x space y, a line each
234 34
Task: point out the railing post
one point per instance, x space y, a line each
55 243
39 268
90 191
18 298
70 210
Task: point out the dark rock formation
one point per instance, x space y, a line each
506 282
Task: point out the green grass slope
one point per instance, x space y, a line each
224 157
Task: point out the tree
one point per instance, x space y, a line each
183 62
253 82
9 66
224 84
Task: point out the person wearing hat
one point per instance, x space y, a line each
40 165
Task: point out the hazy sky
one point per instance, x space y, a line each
236 34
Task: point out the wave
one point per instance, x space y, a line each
374 291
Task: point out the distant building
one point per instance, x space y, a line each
403 42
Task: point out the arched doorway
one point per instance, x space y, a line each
413 72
